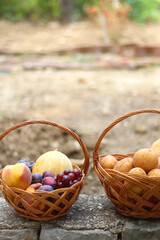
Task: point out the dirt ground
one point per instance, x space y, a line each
86 101
24 37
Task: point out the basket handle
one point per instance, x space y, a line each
65 129
106 130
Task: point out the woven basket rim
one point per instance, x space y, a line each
38 192
15 195
114 123
126 174
132 195
86 163
66 197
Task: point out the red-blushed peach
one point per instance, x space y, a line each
41 206
17 175
29 199
33 187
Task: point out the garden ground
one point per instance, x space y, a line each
85 100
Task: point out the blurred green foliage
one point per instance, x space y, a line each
144 10
15 10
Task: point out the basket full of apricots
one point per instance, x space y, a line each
46 188
131 181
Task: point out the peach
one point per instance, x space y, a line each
29 199
146 159
108 162
156 147
33 187
17 175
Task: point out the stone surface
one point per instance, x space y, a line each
91 217
141 229
57 234
9 220
91 212
19 234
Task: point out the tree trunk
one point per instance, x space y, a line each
67 10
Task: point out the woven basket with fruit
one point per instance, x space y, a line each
131 181
47 188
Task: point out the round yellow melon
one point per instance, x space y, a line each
53 160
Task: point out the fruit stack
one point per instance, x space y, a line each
146 161
131 172
132 180
52 172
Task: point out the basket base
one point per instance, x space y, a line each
138 215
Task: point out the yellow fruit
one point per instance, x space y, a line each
138 190
138 170
17 175
108 162
146 159
158 165
154 173
124 165
53 160
156 147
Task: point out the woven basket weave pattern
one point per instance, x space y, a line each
119 187
45 205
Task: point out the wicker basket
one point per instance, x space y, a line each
45 205
119 186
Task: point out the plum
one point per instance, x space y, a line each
47 188
47 173
36 178
28 164
49 181
22 161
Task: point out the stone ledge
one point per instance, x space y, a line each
91 217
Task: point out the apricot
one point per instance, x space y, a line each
108 162
156 147
138 171
158 165
17 175
146 159
124 165
154 173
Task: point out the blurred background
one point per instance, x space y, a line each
81 63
